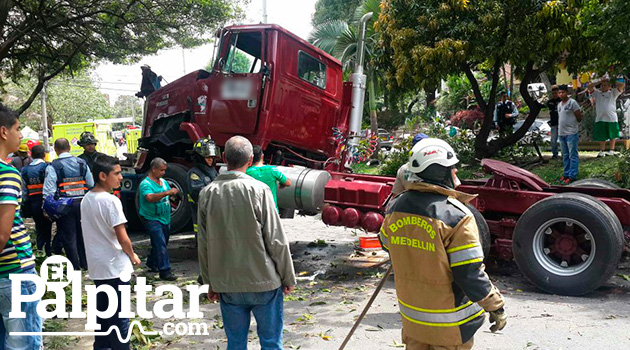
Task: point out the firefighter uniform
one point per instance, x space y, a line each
433 241
69 176
198 177
89 158
33 176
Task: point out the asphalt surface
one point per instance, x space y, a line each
333 289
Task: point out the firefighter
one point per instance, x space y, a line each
33 176
88 142
433 241
202 173
67 180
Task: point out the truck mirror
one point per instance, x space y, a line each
220 64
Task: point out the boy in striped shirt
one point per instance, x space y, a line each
15 243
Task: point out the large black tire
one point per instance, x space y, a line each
595 183
181 211
547 234
484 230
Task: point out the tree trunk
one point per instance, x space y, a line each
483 149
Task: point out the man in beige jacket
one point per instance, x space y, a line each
243 252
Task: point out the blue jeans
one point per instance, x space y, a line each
570 157
32 322
105 342
268 309
554 140
158 256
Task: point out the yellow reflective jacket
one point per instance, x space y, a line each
433 242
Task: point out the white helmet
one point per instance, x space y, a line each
431 151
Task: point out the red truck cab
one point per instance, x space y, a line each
268 85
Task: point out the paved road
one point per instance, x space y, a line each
321 311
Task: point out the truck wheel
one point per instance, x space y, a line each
568 244
596 183
484 230
181 211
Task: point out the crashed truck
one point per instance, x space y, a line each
291 99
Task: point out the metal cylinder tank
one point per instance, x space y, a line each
306 191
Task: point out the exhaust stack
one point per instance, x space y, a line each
358 86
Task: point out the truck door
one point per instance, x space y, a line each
237 86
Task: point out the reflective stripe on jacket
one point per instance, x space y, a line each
70 186
434 246
33 176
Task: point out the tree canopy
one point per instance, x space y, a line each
43 38
328 10
425 42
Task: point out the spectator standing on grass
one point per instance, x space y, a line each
155 208
17 251
69 177
606 121
109 251
569 117
270 175
552 104
34 175
505 113
244 253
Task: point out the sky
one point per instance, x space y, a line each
116 80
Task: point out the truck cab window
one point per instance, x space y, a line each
243 54
312 70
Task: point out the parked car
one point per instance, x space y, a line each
386 139
539 127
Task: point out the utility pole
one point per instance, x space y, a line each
44 118
184 60
264 11
133 112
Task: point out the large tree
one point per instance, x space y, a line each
43 38
328 10
426 41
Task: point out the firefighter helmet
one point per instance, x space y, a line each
205 147
431 151
87 138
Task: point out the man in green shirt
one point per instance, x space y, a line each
155 209
270 175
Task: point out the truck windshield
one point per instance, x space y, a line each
243 53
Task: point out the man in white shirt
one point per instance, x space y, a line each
606 122
109 251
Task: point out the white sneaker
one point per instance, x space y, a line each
601 154
611 153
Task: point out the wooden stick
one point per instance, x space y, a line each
367 307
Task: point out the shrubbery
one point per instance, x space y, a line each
468 119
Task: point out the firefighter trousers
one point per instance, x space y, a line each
412 344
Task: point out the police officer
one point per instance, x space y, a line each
505 113
202 173
69 177
88 142
33 176
433 242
